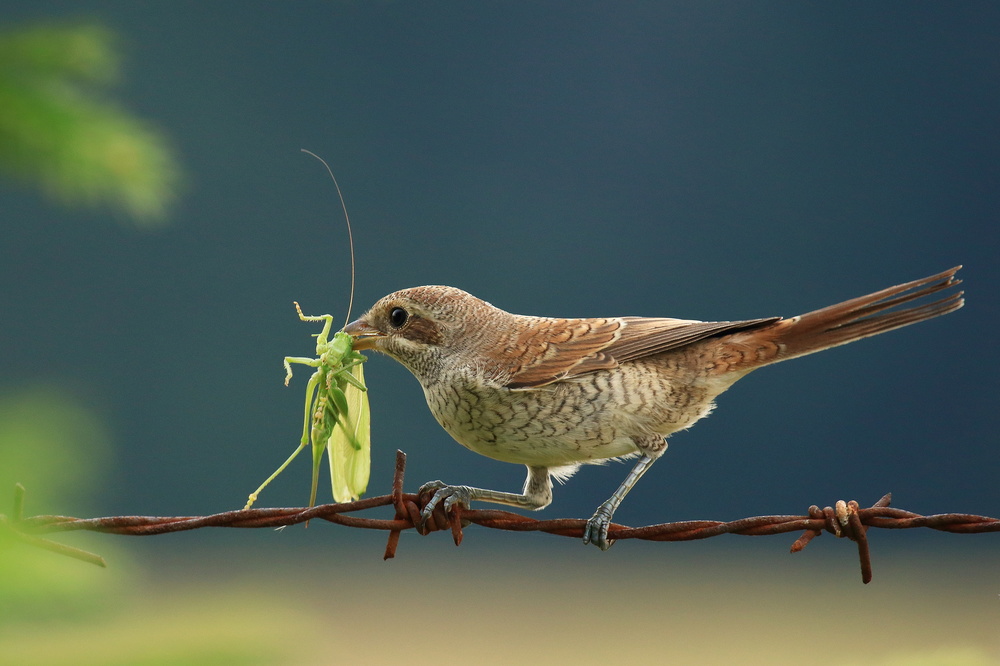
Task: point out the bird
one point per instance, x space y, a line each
554 393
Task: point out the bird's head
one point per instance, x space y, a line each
425 328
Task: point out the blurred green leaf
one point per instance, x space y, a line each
58 130
49 51
53 445
59 450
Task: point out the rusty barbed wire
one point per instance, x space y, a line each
844 519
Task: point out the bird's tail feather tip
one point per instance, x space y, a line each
868 315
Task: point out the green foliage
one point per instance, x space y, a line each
58 449
58 130
52 444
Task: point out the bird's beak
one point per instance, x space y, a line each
365 335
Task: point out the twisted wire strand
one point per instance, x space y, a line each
846 519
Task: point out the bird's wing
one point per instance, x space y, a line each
563 348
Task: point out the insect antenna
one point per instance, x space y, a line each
350 235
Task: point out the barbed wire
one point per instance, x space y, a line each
844 519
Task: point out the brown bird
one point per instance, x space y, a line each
553 394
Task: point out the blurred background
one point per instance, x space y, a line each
699 160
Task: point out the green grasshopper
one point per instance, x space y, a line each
337 418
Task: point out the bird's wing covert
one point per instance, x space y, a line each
563 348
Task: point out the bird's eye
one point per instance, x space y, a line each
398 317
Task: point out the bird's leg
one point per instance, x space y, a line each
537 494
596 531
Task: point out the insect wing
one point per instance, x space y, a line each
350 467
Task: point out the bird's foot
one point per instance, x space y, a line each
447 496
596 530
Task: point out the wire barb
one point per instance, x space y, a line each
397 501
846 519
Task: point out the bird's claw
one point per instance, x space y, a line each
442 492
596 530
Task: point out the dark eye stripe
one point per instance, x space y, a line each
424 331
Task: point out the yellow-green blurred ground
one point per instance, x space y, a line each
747 602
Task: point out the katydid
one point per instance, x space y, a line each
337 418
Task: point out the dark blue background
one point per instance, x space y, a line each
709 161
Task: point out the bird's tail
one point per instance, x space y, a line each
861 317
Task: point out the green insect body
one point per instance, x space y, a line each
336 419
